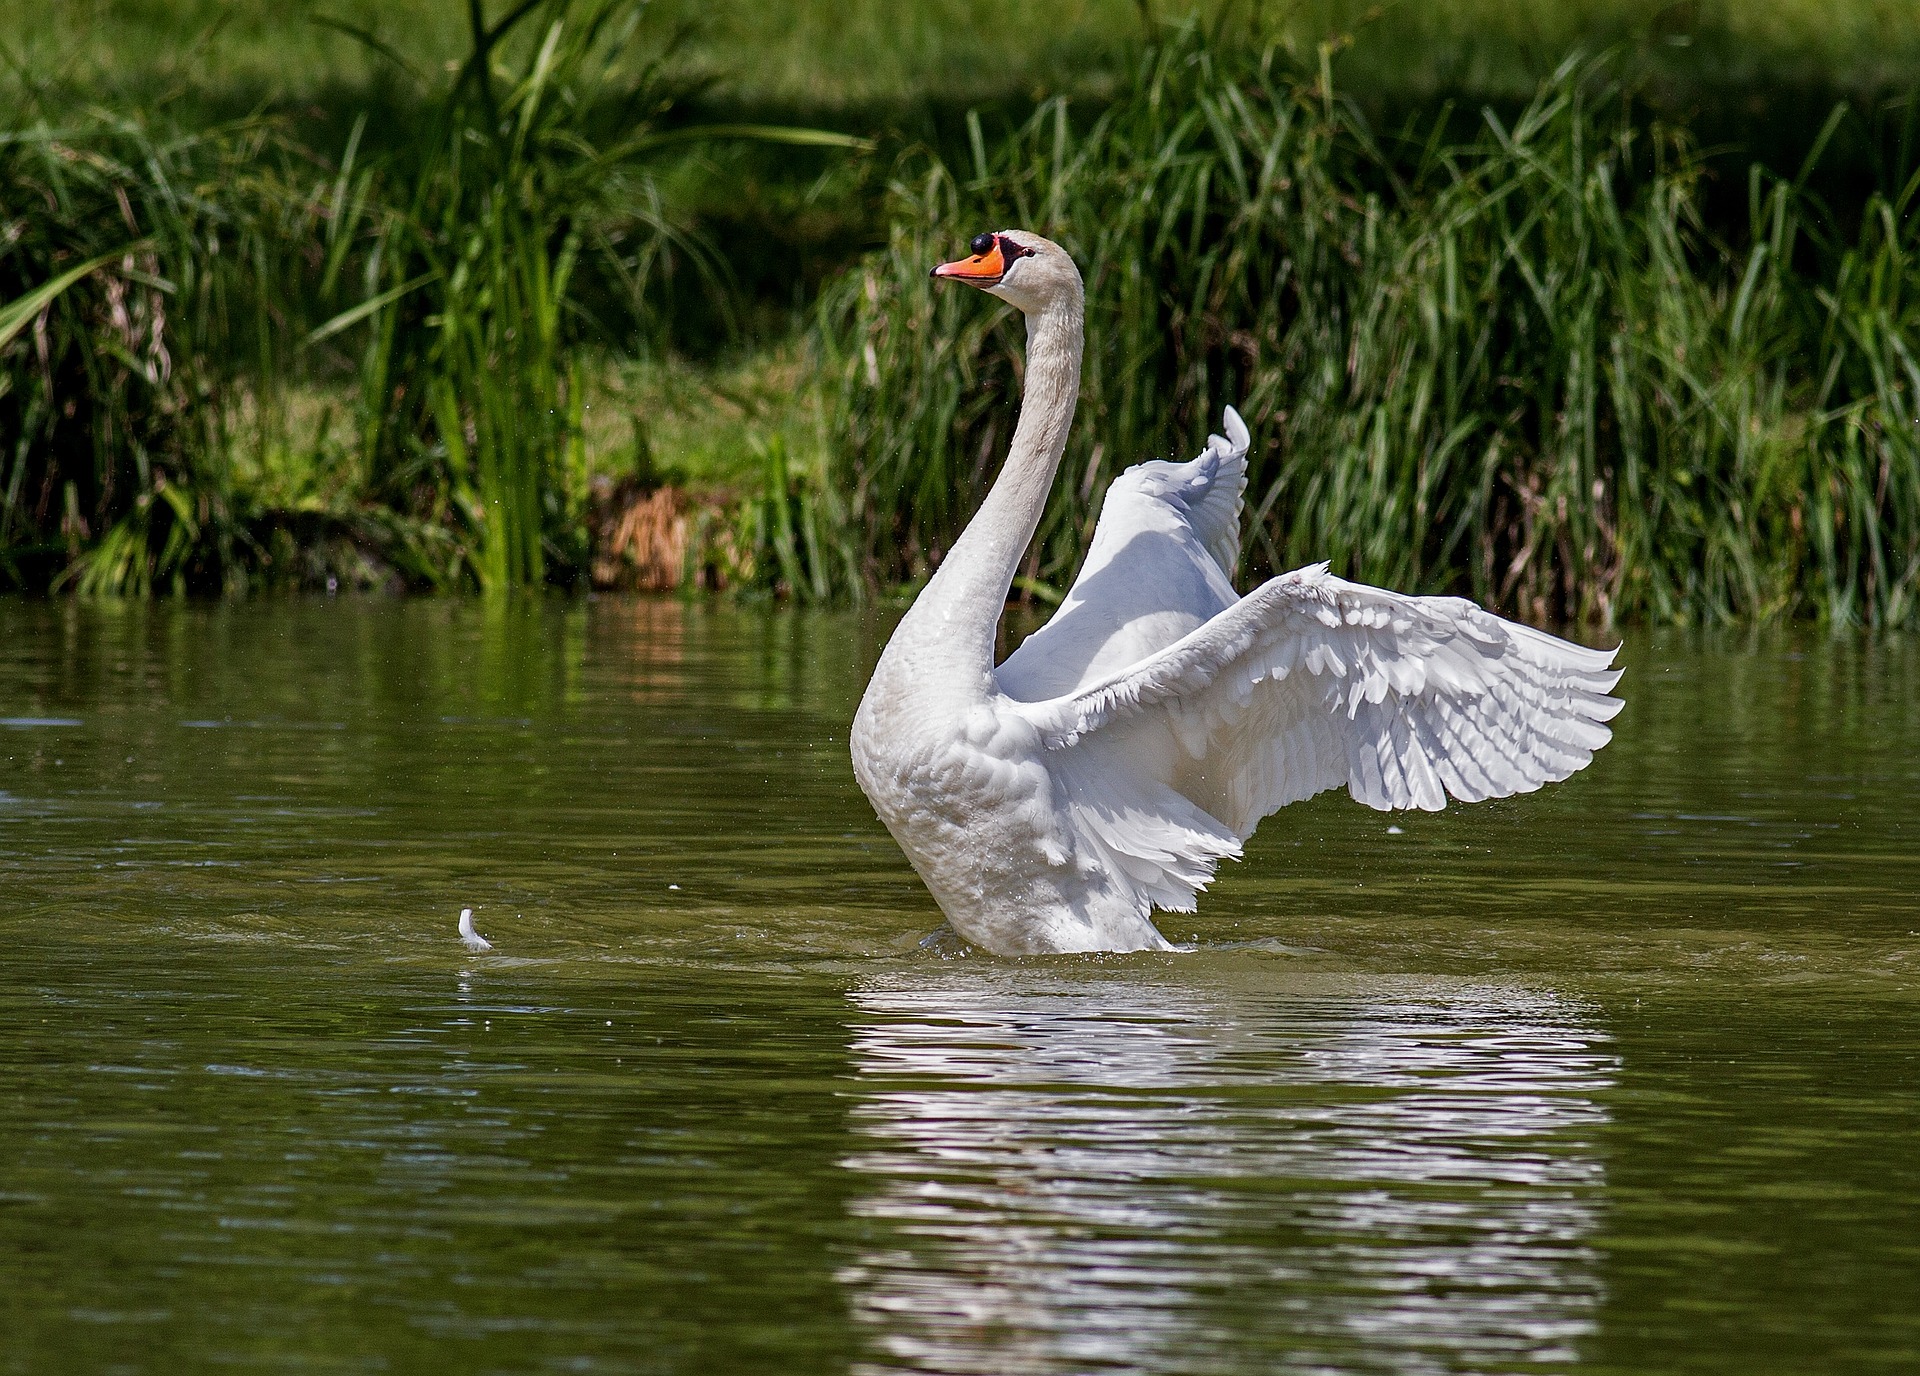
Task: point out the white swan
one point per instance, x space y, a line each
1140 735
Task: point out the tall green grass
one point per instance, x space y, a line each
442 273
1516 366
1512 356
470 393
133 259
138 399
537 163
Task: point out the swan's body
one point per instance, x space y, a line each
1138 738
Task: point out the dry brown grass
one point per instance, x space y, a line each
641 542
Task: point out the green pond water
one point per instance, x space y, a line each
1621 1077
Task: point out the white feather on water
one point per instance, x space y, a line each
472 939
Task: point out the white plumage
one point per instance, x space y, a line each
1139 737
469 938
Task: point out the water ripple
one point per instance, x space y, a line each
1061 1180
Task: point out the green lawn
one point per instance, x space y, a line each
823 54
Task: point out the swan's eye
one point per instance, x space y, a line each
982 244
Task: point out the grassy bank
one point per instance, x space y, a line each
425 320
235 359
1518 366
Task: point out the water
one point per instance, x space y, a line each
1623 1077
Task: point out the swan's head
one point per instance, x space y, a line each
1020 268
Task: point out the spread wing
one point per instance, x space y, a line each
1310 682
1160 566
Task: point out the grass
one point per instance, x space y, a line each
107 405
400 298
667 420
1517 366
463 275
817 55
468 388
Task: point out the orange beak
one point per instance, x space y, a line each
982 270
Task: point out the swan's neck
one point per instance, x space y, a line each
955 620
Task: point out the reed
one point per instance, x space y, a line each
134 257
536 167
1513 357
466 245
230 273
1515 365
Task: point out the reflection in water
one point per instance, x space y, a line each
1119 1174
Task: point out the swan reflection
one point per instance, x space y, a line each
1119 1174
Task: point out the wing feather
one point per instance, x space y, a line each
1311 682
1161 565
1176 716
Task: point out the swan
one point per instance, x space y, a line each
1136 740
